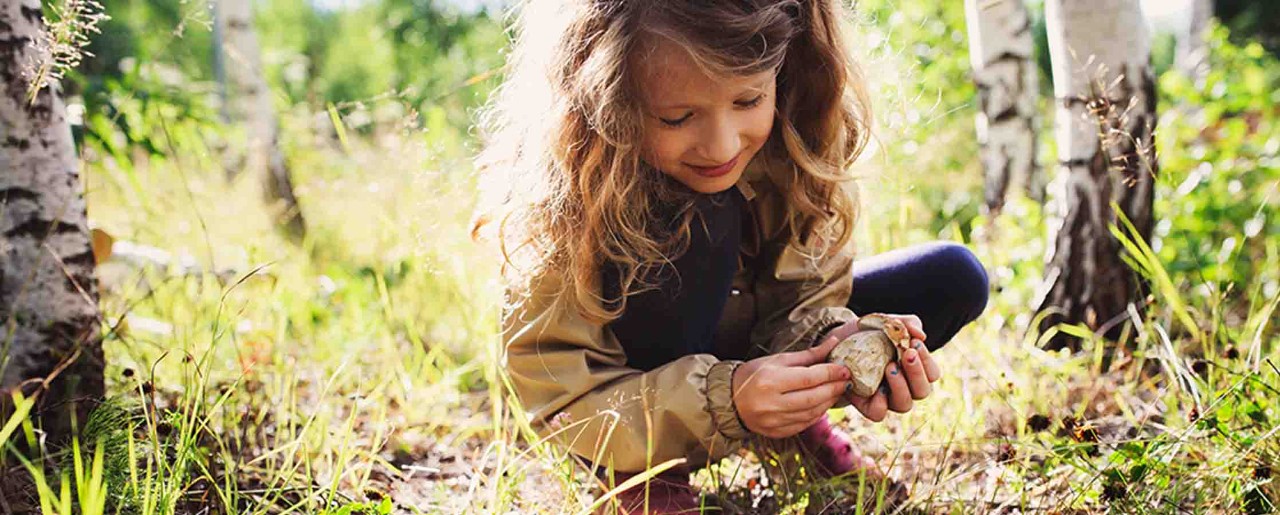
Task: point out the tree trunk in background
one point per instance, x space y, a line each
50 344
1105 96
247 102
1001 52
1192 56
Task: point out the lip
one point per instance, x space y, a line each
716 171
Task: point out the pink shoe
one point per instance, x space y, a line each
833 450
669 492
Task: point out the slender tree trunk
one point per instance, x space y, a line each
50 344
1001 51
1105 118
1192 56
247 101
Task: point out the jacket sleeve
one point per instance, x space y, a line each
800 297
571 373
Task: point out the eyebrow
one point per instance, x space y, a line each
757 88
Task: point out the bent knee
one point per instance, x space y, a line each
967 276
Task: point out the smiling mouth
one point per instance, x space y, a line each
717 170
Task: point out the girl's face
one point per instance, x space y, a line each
701 130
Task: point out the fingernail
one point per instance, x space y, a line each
848 388
912 358
917 344
893 370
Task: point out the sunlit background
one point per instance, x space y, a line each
358 368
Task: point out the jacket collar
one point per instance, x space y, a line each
744 186
754 171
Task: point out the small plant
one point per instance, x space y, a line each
62 44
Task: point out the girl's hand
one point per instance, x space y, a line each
905 382
782 394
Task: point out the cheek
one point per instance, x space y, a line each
760 125
661 149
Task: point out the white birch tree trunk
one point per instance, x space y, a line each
247 102
50 344
1001 52
1192 56
1105 96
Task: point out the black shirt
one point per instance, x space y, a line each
680 316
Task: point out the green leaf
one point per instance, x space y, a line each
1138 472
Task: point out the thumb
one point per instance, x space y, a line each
810 356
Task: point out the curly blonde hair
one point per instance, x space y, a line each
561 168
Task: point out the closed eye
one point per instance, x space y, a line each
753 102
677 122
745 104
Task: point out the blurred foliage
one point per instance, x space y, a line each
150 58
1251 20
431 61
924 112
1218 202
425 52
933 38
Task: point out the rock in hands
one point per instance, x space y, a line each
879 339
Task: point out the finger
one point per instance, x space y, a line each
899 392
771 431
931 369
824 394
790 430
914 326
804 378
874 408
810 415
808 356
842 332
781 427
913 369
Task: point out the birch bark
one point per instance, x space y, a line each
50 344
1105 118
1192 56
247 102
1001 52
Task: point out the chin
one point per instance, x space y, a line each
711 185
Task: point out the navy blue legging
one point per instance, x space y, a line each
941 282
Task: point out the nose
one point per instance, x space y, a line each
720 141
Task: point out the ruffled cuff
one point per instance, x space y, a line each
720 401
807 330
829 320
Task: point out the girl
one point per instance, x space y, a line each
671 192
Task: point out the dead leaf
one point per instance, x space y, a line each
102 243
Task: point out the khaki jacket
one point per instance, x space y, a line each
572 377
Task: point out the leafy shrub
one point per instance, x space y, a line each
1218 196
